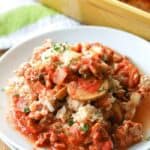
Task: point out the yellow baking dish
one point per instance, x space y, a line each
111 13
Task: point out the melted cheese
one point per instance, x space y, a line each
69 55
87 112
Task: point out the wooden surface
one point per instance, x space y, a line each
110 13
3 146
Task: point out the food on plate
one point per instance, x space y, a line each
142 4
78 97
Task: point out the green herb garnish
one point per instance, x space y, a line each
60 47
26 110
70 122
85 128
57 46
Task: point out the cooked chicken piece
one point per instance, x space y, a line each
106 102
38 110
144 85
131 105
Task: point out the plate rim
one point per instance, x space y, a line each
79 27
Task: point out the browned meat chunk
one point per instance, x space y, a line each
127 134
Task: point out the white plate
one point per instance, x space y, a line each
134 47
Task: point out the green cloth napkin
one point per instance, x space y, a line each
29 20
22 16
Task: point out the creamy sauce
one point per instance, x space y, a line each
143 114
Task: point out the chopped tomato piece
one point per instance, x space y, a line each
76 137
90 85
107 145
77 48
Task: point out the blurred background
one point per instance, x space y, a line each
21 19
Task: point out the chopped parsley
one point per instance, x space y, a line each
85 128
60 47
70 122
57 46
26 110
